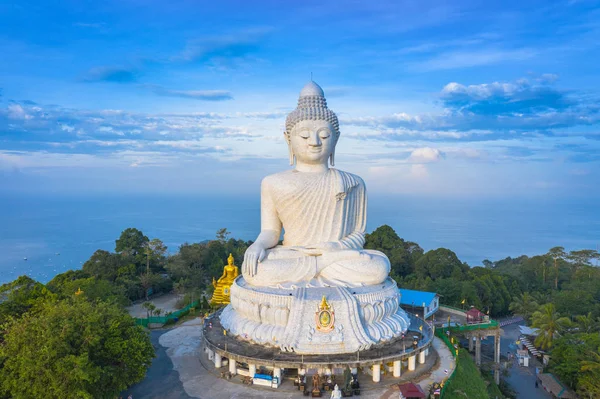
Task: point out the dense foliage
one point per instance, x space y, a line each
140 267
557 292
20 296
466 381
194 266
441 271
72 348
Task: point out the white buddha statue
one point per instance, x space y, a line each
320 291
336 393
321 210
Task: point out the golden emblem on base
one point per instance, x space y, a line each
223 285
325 316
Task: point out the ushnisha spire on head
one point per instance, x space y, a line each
312 105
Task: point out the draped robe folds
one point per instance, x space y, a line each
316 208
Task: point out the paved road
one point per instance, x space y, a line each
445 367
161 382
165 302
521 379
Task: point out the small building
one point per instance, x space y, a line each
411 391
474 315
523 357
421 302
553 385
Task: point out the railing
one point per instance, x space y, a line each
443 336
164 319
472 327
418 324
469 327
453 307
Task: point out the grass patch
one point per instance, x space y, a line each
493 390
467 381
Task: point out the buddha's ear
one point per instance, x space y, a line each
287 137
292 156
290 151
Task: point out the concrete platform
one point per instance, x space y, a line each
226 346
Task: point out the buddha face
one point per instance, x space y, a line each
312 142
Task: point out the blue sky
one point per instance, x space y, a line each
476 98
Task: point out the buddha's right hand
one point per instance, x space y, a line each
321 248
254 254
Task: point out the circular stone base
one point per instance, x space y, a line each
219 341
315 320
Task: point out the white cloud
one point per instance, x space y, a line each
206 95
425 155
16 111
468 153
67 128
481 91
466 59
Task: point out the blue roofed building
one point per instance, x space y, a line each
421 302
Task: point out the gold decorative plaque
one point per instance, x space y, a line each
325 316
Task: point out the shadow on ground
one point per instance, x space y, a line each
161 382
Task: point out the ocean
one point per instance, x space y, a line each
58 233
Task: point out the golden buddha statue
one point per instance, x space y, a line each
221 293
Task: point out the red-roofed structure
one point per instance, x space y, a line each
410 391
474 315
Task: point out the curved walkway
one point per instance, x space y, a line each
446 365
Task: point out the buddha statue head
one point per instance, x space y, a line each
312 129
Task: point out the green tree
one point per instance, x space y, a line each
22 295
588 385
131 242
550 325
556 253
155 251
223 234
61 279
187 268
535 271
573 302
589 381
587 323
73 349
566 357
582 258
93 289
402 254
150 307
103 264
438 263
525 306
575 359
